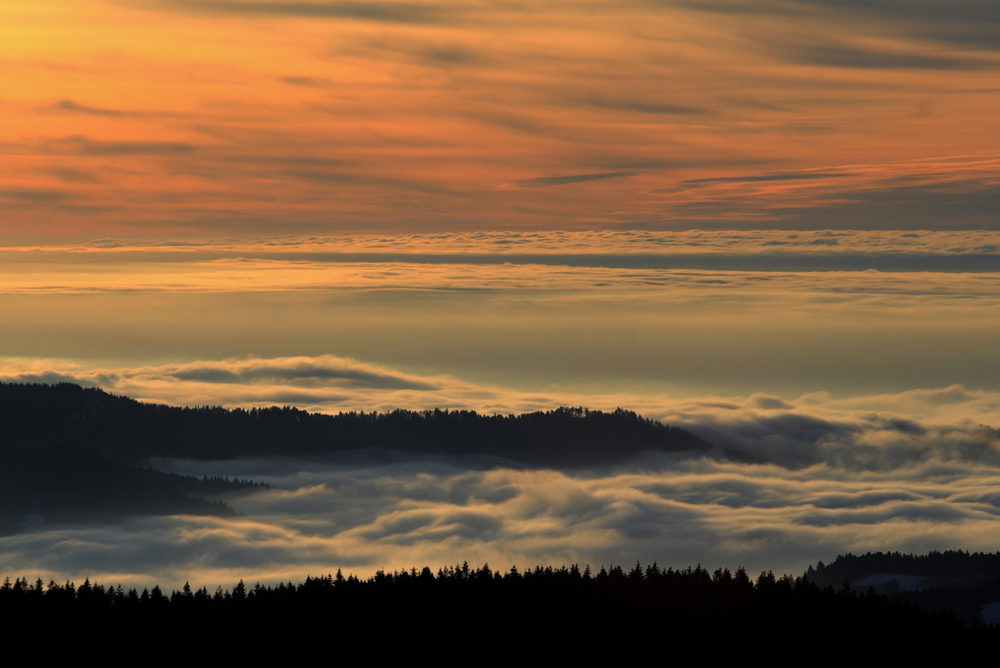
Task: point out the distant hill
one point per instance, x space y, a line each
935 569
130 431
58 484
967 583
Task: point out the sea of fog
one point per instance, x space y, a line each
789 499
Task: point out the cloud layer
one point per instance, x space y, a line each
537 243
525 262
697 313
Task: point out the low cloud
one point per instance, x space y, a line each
302 370
309 381
366 512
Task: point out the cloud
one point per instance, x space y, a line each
559 243
71 175
971 204
759 178
434 111
961 192
549 181
85 146
642 107
36 195
730 264
451 55
842 55
970 24
91 147
364 513
71 106
308 82
612 88
377 12
325 369
292 380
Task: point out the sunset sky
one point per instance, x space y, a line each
773 222
179 118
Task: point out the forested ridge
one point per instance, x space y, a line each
132 431
70 453
611 610
958 580
956 567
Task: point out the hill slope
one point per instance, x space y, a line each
130 431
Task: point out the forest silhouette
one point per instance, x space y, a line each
130 431
612 613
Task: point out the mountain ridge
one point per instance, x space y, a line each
131 431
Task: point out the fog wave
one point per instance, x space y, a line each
367 511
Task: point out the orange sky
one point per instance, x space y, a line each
162 118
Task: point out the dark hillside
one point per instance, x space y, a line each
130 431
949 568
58 484
962 582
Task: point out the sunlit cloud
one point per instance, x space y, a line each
669 313
543 244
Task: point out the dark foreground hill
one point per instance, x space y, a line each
129 431
616 616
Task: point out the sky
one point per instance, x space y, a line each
151 118
774 223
